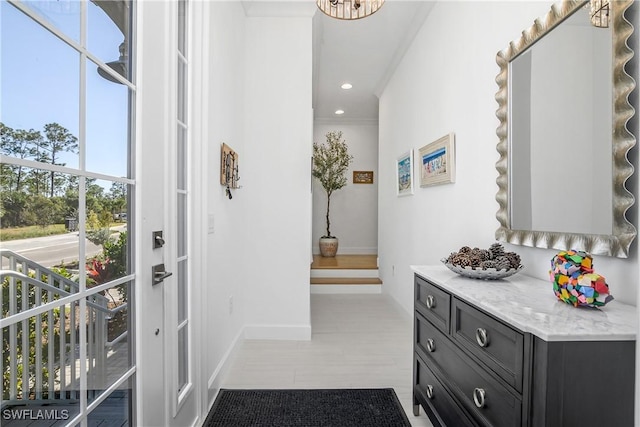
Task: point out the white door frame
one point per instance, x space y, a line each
155 169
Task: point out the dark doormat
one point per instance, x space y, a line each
307 408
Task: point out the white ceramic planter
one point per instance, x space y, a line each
328 246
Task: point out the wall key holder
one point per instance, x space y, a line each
229 175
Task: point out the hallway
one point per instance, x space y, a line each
358 341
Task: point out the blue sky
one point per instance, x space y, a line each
40 80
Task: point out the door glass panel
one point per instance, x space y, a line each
182 149
39 232
40 362
40 90
106 232
182 224
114 410
183 351
182 158
107 124
45 360
108 338
182 92
182 20
183 290
62 14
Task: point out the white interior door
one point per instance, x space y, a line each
168 395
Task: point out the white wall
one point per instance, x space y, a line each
258 252
354 208
276 175
227 276
266 118
454 57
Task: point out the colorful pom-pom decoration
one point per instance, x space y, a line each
575 282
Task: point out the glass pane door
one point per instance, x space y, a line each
66 183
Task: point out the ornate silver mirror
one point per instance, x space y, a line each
563 137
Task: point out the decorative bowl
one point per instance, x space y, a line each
479 273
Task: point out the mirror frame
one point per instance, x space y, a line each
623 232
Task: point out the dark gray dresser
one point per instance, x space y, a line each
508 353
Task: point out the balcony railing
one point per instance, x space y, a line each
41 330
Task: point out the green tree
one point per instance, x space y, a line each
70 201
36 179
19 144
13 204
330 164
95 196
57 140
118 197
41 210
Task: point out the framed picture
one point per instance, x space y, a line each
363 177
438 162
404 174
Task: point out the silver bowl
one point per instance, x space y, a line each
479 273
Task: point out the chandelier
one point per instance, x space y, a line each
349 9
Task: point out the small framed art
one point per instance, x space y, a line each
438 161
363 177
404 174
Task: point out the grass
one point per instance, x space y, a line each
17 233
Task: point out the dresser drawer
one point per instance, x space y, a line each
432 394
497 345
433 302
466 379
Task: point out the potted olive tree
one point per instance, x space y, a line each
330 163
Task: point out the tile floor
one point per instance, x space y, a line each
358 341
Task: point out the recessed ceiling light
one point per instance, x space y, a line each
339 112
346 86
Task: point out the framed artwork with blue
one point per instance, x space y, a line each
404 174
438 162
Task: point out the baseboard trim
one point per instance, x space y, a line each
215 380
278 332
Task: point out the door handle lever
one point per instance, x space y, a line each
159 273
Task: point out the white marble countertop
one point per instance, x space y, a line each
530 305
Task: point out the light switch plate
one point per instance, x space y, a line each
210 224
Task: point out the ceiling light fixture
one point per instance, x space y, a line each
338 112
349 9
346 86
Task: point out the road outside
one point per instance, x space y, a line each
52 250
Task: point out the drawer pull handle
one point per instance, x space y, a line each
429 391
482 338
478 397
431 301
431 346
